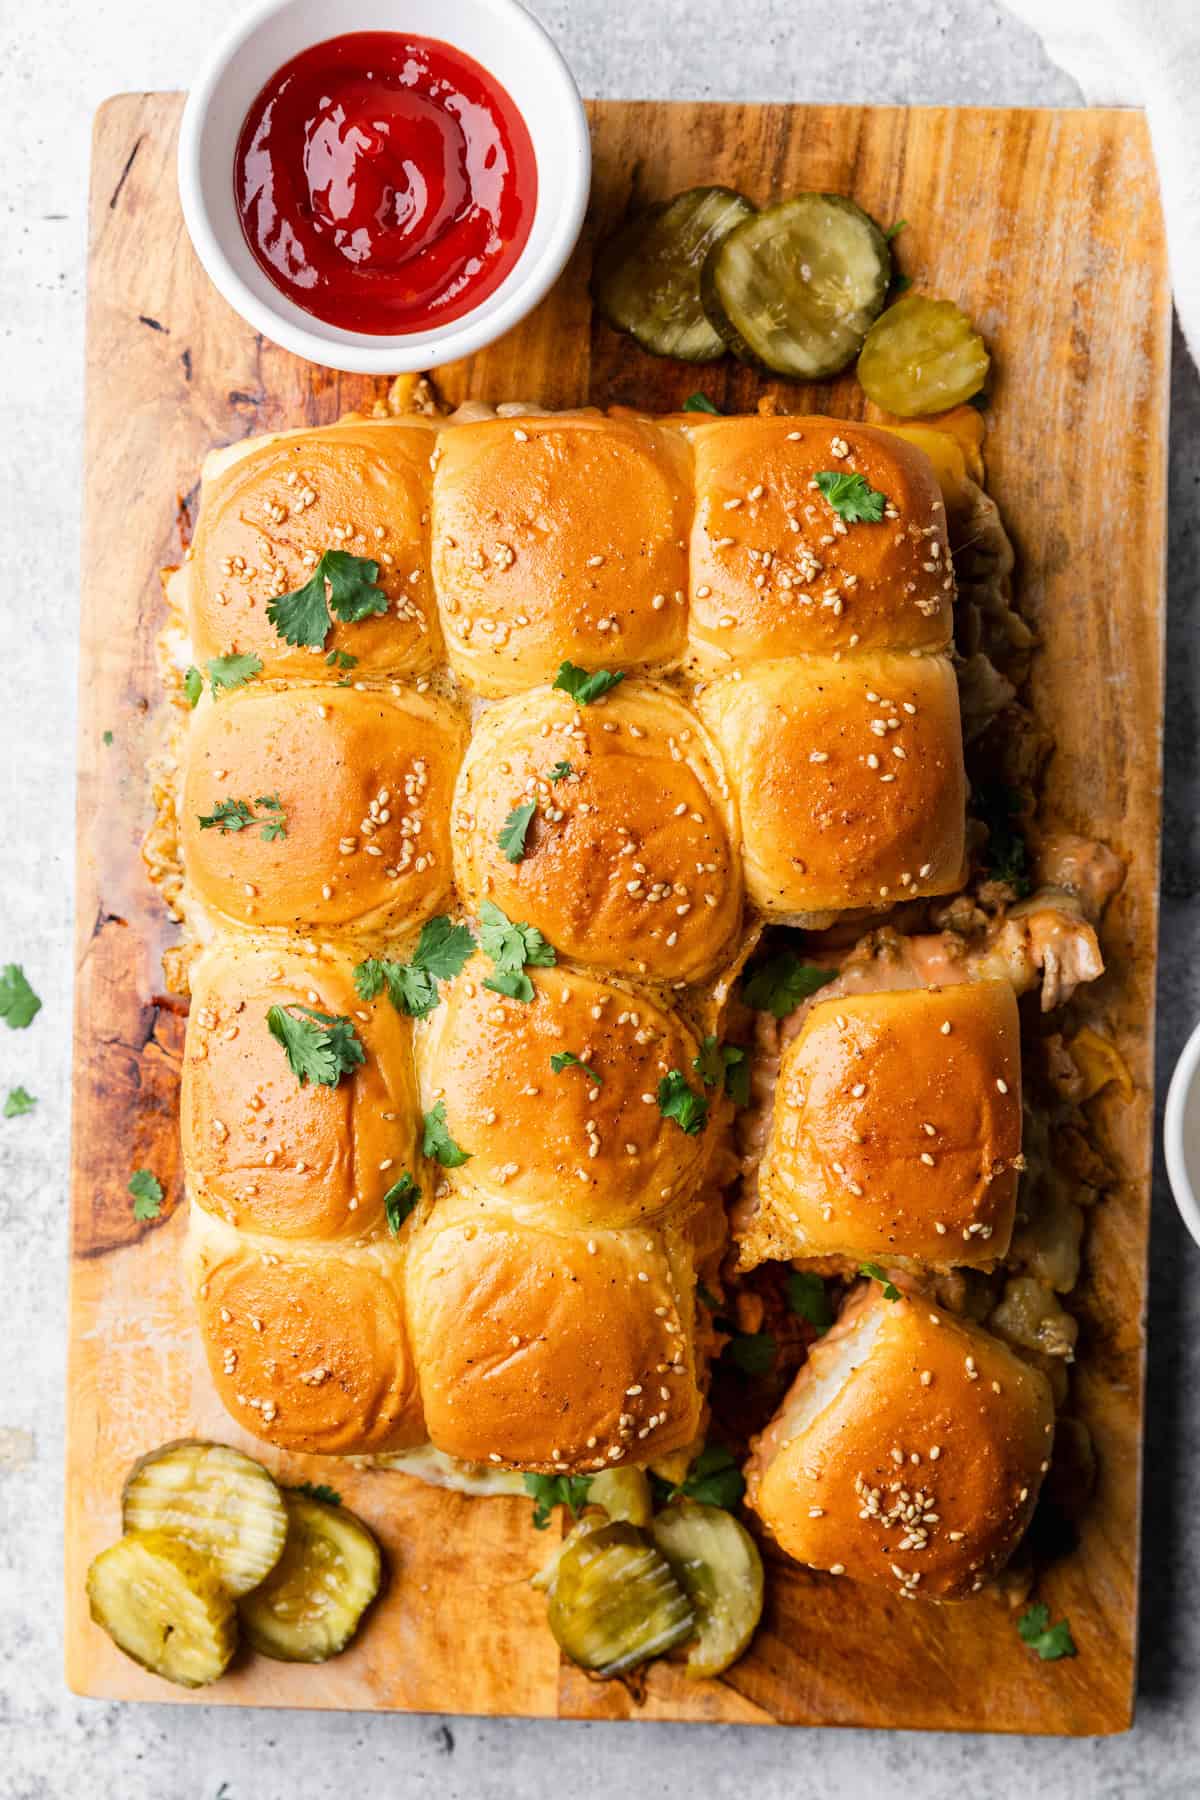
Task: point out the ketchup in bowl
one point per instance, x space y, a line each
385 183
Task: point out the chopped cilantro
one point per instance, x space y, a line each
18 1103
340 659
441 953
753 1352
320 1047
147 1194
437 1141
1006 854
890 1291
317 1490
677 1101
399 1201
808 1298
1050 1641
714 1479
19 1005
724 1064
782 982
193 685
851 497
700 403
512 834
443 947
513 983
106 737
560 771
567 1059
510 944
549 1491
229 672
584 687
893 231
235 815
341 581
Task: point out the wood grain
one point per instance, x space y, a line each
1046 226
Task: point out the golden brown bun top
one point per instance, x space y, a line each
269 513
307 1349
363 779
555 1350
560 539
924 1423
580 1147
629 859
776 571
848 776
266 1153
896 1130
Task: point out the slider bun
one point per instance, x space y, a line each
328 753
837 809
873 1084
961 1455
260 535
526 1128
329 1368
264 1152
529 1339
829 584
540 540
645 804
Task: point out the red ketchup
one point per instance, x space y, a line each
385 183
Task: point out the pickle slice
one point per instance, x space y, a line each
624 1494
163 1604
615 1602
547 1575
922 356
310 1605
647 278
716 1563
795 287
222 1504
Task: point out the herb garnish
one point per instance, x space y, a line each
808 1298
147 1194
1006 854
714 1479
584 687
567 1059
340 659
890 1290
893 231
399 1201
560 771
441 953
193 685
701 403
320 1047
344 582
317 1490
512 834
437 1141
235 815
19 1005
851 497
782 982
753 1352
512 947
231 671
1050 1641
549 1491
18 1103
677 1101
725 1063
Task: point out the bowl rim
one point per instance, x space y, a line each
365 353
1183 1079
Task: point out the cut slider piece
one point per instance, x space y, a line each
909 1451
896 1132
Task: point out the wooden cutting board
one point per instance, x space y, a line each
1046 226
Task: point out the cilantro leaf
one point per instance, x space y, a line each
147 1194
510 944
338 659
106 737
317 1490
677 1101
584 687
1006 854
341 581
808 1298
890 1291
700 403
753 1352
549 1491
512 834
18 1103
234 815
1050 1641
567 1059
851 497
399 1201
193 685
782 982
320 1047
441 953
714 1478
560 771
737 1074
709 1065
443 949
230 672
437 1141
19 1005
893 231
513 983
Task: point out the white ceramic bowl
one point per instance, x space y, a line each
501 36
1181 1134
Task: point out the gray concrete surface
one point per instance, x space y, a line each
60 58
